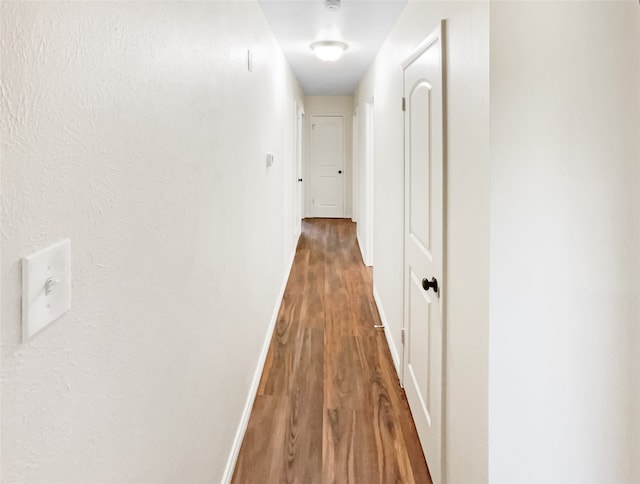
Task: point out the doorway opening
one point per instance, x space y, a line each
327 166
366 187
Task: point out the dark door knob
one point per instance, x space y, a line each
340 172
299 179
430 284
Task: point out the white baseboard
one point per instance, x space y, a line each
395 356
253 390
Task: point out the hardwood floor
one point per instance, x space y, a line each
329 407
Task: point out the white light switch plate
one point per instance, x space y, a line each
46 287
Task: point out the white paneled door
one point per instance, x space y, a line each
423 267
327 166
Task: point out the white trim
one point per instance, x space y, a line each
253 390
369 179
298 169
383 318
434 36
360 246
303 174
354 166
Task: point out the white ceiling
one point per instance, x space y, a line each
363 24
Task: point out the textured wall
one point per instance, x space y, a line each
565 287
136 130
467 205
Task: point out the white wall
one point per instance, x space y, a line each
330 106
467 205
136 130
565 161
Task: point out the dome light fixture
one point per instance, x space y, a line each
332 5
329 50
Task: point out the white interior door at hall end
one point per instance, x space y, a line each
423 268
327 162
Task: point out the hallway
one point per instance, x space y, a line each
164 320
329 406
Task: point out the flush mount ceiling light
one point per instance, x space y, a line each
329 50
332 4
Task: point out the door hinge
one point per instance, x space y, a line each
403 331
313 126
403 103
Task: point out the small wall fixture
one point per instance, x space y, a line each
329 50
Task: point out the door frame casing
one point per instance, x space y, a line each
355 168
369 171
437 34
298 165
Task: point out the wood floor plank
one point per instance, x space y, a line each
409 433
346 381
337 446
329 407
262 447
339 449
392 458
314 308
303 429
279 364
299 270
363 315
